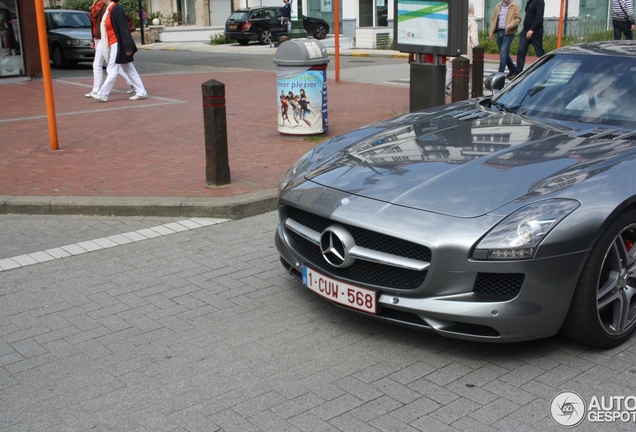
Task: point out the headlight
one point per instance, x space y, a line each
518 235
76 42
294 171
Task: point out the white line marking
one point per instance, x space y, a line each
106 242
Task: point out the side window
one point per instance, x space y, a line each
257 15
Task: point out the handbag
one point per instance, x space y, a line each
131 26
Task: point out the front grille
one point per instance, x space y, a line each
362 272
502 286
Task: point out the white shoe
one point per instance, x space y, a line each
137 97
131 89
90 95
98 97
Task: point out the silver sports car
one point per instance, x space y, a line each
496 219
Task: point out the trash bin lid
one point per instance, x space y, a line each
301 52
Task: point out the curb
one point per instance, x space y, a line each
236 49
235 207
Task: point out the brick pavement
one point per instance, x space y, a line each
155 147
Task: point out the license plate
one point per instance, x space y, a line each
340 292
233 26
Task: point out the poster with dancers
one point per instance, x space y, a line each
302 101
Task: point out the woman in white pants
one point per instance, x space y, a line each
96 14
116 38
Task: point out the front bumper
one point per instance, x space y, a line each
447 302
79 54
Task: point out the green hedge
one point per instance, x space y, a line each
130 6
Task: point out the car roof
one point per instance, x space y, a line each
253 8
603 48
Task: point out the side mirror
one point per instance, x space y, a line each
495 82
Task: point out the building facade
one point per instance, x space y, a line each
364 13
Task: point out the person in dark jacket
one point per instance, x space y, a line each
532 33
119 44
286 13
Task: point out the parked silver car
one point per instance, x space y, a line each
69 37
503 218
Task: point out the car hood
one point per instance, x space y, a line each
465 160
72 33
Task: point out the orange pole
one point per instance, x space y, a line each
46 74
560 24
336 30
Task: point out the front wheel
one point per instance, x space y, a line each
265 37
59 61
320 31
603 310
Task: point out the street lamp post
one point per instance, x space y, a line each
297 30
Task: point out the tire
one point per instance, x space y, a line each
265 37
59 61
603 310
243 42
320 31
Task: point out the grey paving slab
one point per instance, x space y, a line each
202 330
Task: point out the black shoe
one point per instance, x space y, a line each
511 76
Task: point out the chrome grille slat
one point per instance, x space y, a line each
380 259
359 252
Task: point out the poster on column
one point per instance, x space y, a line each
302 102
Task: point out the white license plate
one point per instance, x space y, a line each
340 292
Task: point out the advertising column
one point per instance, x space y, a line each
301 87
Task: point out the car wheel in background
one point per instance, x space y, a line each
265 37
320 31
59 61
603 310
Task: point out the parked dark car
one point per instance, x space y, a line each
253 24
496 219
69 36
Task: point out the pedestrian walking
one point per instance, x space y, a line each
96 14
503 26
623 19
286 14
119 47
531 33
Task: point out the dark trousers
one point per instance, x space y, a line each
624 27
524 43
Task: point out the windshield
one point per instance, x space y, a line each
581 88
70 20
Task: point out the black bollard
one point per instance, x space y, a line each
461 73
217 168
477 85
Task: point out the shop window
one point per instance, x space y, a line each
11 62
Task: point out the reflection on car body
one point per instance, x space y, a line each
495 219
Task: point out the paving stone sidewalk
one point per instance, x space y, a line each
202 330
